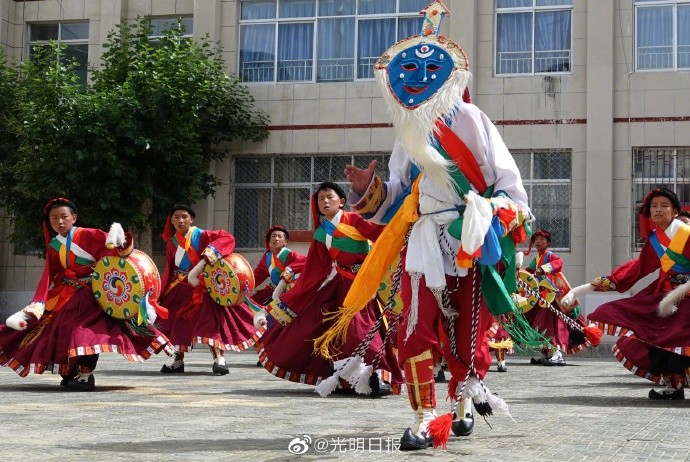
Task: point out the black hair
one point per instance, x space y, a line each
665 192
276 228
314 198
330 185
59 202
185 207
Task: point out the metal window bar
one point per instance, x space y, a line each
548 184
656 167
259 200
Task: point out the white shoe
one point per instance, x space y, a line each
555 360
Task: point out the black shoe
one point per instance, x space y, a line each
78 385
220 370
463 427
553 361
412 442
172 369
64 381
502 368
678 394
440 377
379 388
535 361
258 363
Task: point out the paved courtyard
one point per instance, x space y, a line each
591 409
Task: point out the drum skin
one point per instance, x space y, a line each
228 279
121 283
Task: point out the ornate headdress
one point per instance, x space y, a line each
424 78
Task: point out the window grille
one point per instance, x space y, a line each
277 190
547 176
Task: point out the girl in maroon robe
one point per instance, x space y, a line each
339 247
194 317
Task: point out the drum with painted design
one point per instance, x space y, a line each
544 288
228 279
121 284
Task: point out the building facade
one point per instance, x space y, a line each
592 98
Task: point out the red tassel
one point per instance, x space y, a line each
439 430
466 96
593 335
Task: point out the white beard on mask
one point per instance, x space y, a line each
414 127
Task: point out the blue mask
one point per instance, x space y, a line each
418 72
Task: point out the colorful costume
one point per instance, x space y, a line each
287 348
67 329
553 287
285 266
194 317
644 335
500 343
456 189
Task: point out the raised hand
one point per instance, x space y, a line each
360 178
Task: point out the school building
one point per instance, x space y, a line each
592 98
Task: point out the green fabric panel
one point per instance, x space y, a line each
497 298
343 243
680 259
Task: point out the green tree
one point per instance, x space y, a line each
140 137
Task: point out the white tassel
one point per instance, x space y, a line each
348 366
327 385
354 376
669 304
572 296
362 385
413 316
482 394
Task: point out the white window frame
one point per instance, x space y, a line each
315 21
639 4
533 9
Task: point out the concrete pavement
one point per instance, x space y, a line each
591 409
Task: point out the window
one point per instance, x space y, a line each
160 25
75 37
321 40
277 190
533 36
547 179
659 167
662 34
